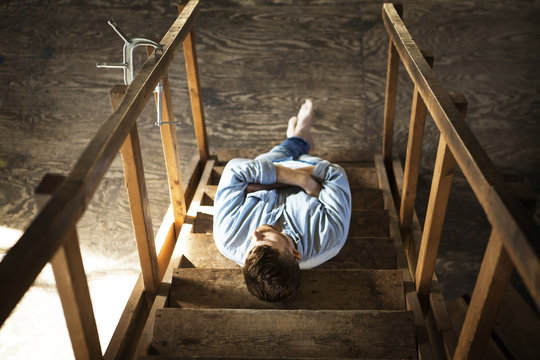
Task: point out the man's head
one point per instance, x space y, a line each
271 268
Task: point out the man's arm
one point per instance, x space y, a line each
299 177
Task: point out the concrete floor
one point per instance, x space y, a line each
258 60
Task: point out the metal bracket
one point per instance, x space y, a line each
127 65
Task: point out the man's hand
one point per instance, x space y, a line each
299 177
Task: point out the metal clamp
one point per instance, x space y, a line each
127 65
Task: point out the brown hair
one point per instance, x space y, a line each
269 275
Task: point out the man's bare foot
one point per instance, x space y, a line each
302 123
292 125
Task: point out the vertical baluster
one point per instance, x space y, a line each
436 210
488 292
192 70
414 154
72 284
138 199
390 98
169 140
390 103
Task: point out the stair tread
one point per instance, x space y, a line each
364 253
350 289
285 333
369 223
362 177
200 251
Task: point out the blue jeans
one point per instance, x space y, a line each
293 148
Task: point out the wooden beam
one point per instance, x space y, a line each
40 241
163 293
488 292
169 142
72 284
443 174
390 102
413 156
422 338
520 232
138 199
437 304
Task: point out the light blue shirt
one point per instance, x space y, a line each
318 226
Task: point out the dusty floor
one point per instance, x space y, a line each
258 60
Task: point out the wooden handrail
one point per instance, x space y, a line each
518 231
52 226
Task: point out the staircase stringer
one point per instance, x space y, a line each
423 339
161 300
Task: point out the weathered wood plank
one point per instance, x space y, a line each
362 177
278 333
364 253
369 223
366 199
200 251
438 308
138 199
436 211
195 96
422 338
390 102
319 290
169 141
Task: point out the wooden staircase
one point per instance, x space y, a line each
353 306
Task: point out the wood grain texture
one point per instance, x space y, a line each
53 100
364 253
369 223
319 290
200 251
290 334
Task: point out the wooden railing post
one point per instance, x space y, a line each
414 155
72 284
390 98
169 140
390 103
138 199
488 292
438 199
197 108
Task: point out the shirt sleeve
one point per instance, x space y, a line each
232 207
334 216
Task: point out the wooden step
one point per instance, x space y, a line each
362 177
319 290
369 223
364 253
200 251
367 199
203 223
285 333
